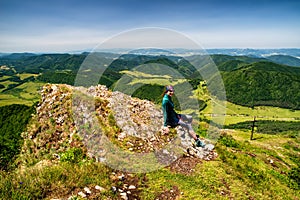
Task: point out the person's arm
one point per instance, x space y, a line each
164 107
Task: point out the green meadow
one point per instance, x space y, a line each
22 93
266 167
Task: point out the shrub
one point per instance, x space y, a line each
228 141
73 155
294 175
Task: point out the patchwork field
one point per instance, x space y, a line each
28 93
17 92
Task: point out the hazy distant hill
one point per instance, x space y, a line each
284 59
219 59
17 55
151 51
256 52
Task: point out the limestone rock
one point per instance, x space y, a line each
66 118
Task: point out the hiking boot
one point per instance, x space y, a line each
199 143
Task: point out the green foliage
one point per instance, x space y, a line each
194 83
53 68
13 120
294 175
228 141
263 83
72 155
7 72
14 78
152 93
61 77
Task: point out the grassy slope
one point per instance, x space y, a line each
256 169
245 169
26 93
236 113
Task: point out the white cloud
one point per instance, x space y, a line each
239 38
55 41
69 39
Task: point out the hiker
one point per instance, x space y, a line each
172 119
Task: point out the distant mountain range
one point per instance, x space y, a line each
295 52
257 52
287 56
261 53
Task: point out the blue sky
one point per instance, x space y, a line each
60 26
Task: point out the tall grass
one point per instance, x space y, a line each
264 168
54 181
243 170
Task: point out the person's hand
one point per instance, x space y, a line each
166 129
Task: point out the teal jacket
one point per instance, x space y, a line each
170 116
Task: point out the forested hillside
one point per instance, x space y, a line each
248 80
13 120
263 83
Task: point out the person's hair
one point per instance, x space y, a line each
167 88
164 92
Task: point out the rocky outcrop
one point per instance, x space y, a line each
111 127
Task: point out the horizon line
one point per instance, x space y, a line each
115 49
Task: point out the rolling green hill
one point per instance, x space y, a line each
41 63
231 65
263 83
130 62
248 81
